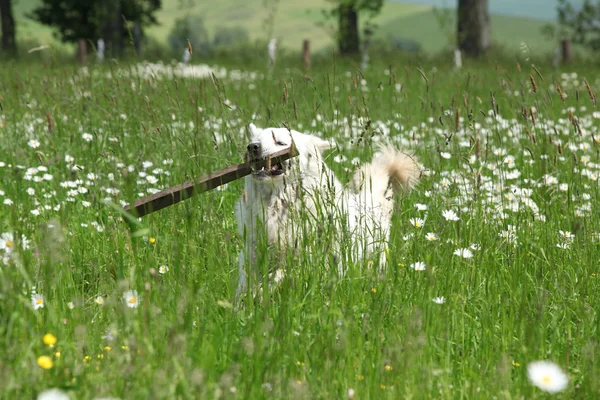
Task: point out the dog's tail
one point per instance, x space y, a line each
391 169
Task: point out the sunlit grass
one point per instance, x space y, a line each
482 285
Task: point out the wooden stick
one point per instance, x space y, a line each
157 201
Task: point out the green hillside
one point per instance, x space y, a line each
298 20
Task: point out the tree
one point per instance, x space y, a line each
92 19
583 24
8 27
347 14
474 33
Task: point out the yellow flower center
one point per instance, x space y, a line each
132 300
9 243
546 380
39 301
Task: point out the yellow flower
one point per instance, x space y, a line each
388 367
49 339
87 358
382 386
360 377
107 348
152 240
57 354
516 364
374 290
45 362
124 347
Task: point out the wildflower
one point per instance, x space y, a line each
152 240
568 236
439 300
464 253
547 376
45 362
131 298
450 215
431 237
34 144
388 367
564 246
374 290
421 207
163 269
418 266
71 305
350 393
99 300
52 394
7 242
87 137
37 301
49 339
445 155
417 222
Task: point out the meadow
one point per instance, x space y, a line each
291 22
493 260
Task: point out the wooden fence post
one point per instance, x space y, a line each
566 50
306 53
82 51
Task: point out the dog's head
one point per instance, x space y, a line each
266 142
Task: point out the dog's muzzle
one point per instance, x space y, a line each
254 151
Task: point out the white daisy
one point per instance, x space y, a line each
418 266
439 300
421 207
431 237
37 301
163 269
450 215
464 253
34 144
547 376
131 298
417 222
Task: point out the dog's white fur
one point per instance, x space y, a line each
266 210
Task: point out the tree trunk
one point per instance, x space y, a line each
8 27
348 40
474 33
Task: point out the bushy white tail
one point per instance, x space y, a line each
390 168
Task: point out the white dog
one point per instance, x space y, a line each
298 196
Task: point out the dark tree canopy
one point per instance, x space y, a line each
93 19
582 24
7 23
347 14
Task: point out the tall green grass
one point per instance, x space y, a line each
319 335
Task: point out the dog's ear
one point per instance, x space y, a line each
253 129
321 144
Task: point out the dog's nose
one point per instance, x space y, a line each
254 149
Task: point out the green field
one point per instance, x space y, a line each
295 21
518 272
